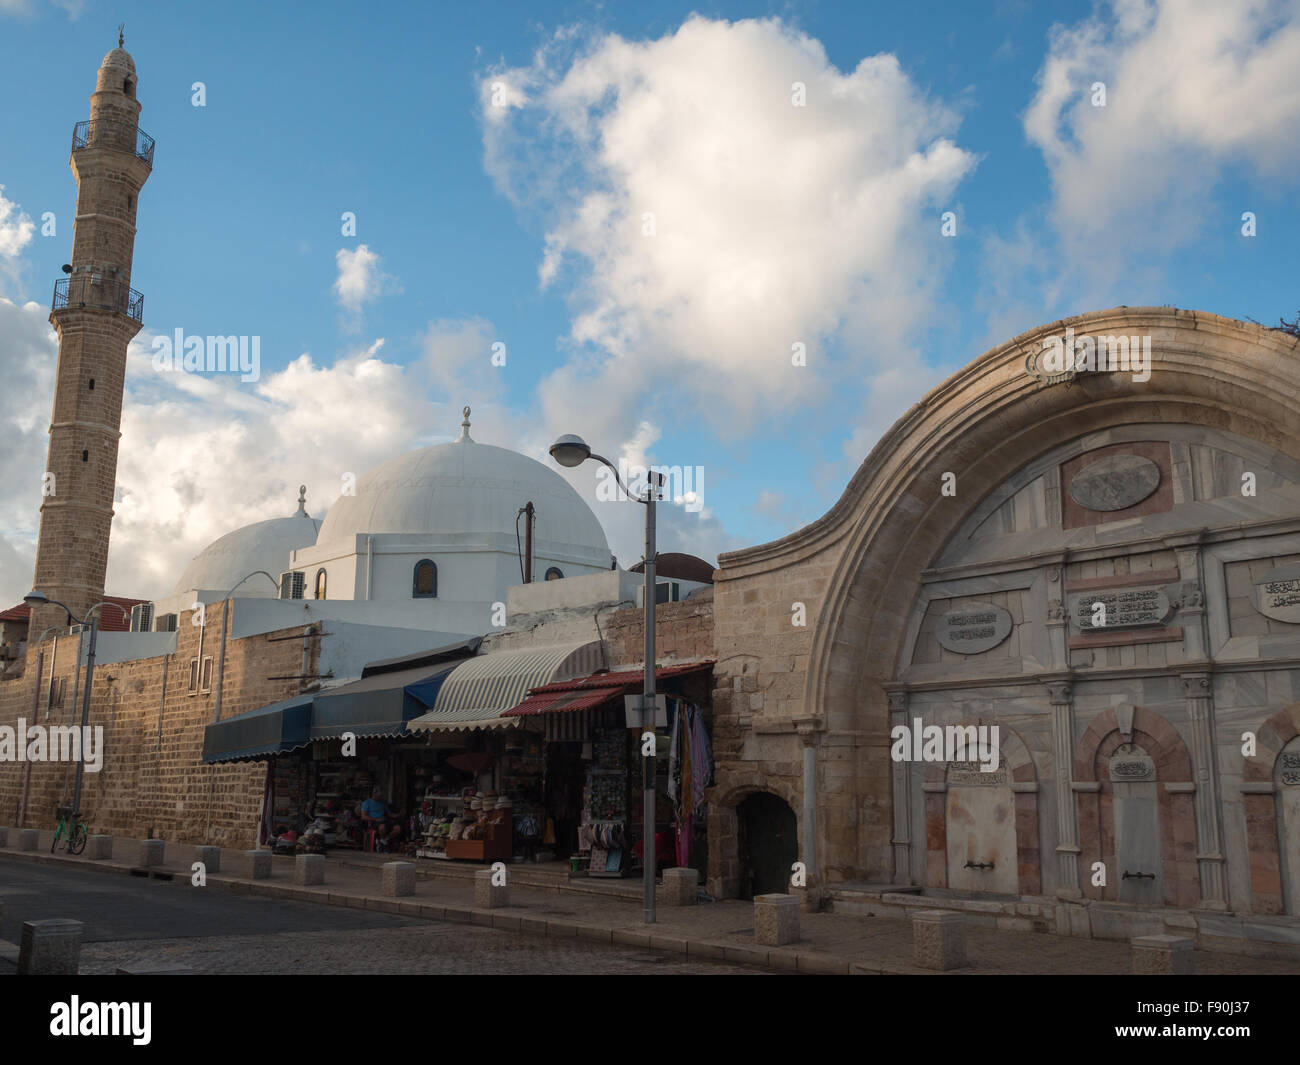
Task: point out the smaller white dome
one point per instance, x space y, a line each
264 545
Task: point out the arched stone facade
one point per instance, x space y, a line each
899 549
1024 785
1173 766
1261 809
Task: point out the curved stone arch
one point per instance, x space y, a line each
1169 750
986 421
1262 838
1021 771
1013 753
1173 761
724 801
1276 732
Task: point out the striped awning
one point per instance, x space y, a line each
479 690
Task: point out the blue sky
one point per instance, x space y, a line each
523 224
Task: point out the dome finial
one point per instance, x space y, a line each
464 426
302 500
121 30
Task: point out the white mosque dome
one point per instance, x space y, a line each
468 489
264 545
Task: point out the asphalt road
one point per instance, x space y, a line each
130 920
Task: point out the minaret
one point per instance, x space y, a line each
95 314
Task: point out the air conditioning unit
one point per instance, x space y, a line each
142 617
75 630
292 584
665 592
165 623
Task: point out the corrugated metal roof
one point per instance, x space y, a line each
481 688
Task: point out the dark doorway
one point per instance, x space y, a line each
769 844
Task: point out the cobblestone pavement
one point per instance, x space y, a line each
602 928
424 948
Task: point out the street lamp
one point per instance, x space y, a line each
36 598
225 626
571 451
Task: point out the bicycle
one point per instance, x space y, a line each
72 829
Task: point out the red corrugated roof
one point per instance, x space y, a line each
584 693
109 620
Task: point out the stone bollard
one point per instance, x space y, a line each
210 857
1164 955
939 940
259 865
309 869
399 878
99 848
776 920
681 887
29 839
489 896
148 968
151 852
50 948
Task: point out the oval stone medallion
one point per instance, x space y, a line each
1115 482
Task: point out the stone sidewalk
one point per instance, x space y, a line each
829 943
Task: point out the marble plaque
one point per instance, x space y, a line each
973 629
1126 608
1115 482
1277 596
965 774
1135 768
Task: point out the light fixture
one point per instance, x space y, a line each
570 450
35 598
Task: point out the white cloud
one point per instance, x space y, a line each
1192 88
360 279
16 230
773 224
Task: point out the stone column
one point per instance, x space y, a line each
1067 825
1209 851
902 798
807 728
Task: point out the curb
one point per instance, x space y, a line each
782 960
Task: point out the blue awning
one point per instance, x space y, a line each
269 730
378 705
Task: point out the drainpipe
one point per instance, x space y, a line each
370 566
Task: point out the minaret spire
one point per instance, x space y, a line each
95 313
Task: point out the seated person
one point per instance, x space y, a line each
387 825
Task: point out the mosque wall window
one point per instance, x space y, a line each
320 584
424 581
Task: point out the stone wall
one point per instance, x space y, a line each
152 780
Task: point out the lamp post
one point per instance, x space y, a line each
36 598
225 626
570 450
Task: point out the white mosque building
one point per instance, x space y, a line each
428 545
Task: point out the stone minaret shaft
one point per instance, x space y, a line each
95 314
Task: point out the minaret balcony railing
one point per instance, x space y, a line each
114 134
98 292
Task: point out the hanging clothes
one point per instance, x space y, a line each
701 759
